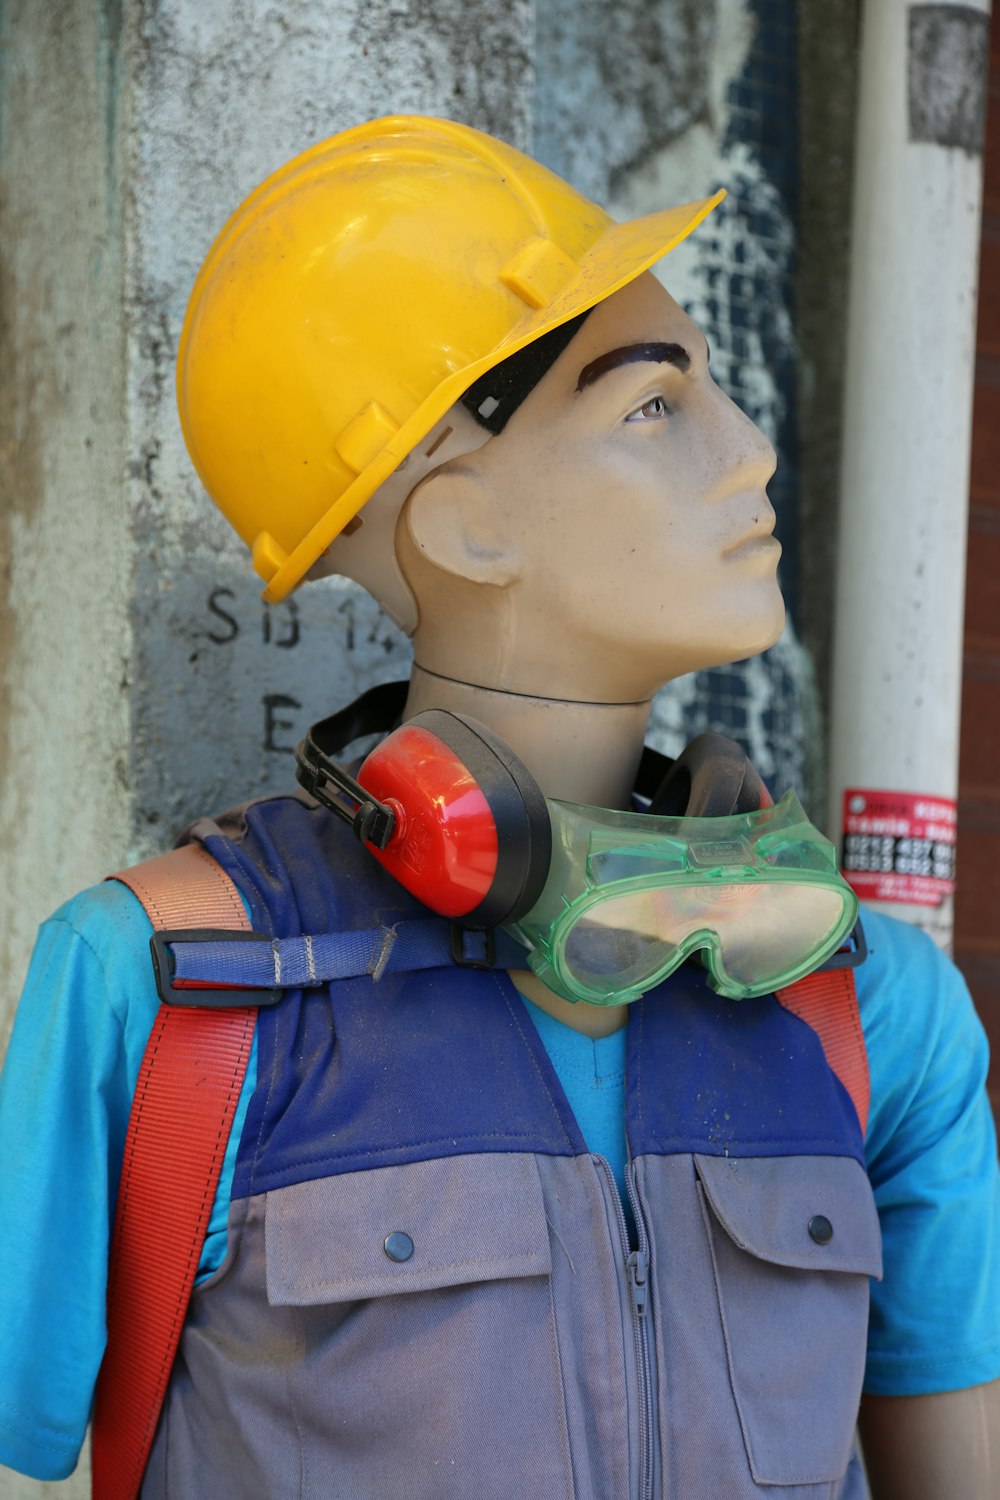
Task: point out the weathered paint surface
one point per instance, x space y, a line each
827 113
65 554
947 53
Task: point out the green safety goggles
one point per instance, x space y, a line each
630 896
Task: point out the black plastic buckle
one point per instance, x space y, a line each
849 957
467 961
373 822
211 999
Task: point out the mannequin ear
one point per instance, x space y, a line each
453 520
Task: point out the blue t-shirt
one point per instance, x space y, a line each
80 1033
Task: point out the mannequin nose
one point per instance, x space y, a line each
744 451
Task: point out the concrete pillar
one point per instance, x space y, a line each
907 429
65 624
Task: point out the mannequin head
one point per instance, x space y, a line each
615 534
417 358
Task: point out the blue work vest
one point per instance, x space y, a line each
430 1290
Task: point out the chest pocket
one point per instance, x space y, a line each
422 1303
793 1243
411 1228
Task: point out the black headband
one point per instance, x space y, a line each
495 397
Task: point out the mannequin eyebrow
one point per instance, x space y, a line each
657 354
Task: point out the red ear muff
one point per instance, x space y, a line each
472 838
711 778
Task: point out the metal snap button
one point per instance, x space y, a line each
820 1229
398 1245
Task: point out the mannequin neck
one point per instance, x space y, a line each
578 752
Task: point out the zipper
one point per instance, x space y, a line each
638 1267
638 1270
637 1275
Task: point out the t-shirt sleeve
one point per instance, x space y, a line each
65 1094
932 1160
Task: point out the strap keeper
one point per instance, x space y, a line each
212 997
466 960
851 955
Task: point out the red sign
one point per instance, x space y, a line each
899 846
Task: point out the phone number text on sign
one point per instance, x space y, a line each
899 846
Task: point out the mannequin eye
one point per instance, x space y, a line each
653 410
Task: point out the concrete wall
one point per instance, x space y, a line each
65 628
141 681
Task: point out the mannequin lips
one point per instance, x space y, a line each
761 544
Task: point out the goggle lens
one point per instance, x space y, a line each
755 936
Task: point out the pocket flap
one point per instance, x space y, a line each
816 1213
467 1218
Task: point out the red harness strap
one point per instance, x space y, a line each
828 1002
182 1112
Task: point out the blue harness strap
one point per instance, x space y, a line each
307 961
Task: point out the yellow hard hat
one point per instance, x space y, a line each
356 295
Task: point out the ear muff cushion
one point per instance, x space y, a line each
474 827
524 833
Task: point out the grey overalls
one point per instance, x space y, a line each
430 1290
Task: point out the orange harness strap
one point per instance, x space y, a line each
182 1112
828 1002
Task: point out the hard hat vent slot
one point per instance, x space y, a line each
365 436
537 272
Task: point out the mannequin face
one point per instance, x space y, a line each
615 535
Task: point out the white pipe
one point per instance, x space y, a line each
907 432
